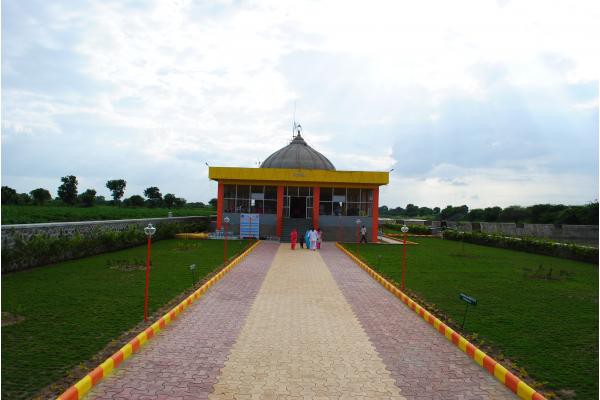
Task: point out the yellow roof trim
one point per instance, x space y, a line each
285 175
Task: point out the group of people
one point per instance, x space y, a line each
312 238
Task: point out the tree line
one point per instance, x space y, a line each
68 194
537 214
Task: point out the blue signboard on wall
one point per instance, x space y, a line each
249 225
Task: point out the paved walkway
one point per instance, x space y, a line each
299 325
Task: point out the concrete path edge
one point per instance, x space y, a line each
494 368
83 386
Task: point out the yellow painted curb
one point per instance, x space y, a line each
79 389
494 368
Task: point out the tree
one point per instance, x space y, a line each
425 211
87 198
180 202
412 210
40 196
213 203
491 214
514 214
436 210
135 201
68 190
9 195
154 196
476 214
454 213
169 199
117 187
23 198
100 200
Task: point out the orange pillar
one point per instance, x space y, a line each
279 210
315 216
375 229
220 205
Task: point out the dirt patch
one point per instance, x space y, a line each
11 319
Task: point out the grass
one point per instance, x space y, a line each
546 327
29 214
73 309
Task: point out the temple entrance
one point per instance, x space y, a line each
297 207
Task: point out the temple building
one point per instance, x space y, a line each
298 187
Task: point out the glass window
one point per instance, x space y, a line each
353 195
270 207
365 209
353 209
292 190
229 205
339 192
257 206
325 208
271 192
366 195
304 191
243 192
339 208
257 189
242 205
326 194
229 191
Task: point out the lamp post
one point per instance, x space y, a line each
149 231
358 237
225 257
404 230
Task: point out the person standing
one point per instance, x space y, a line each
307 239
294 238
319 238
363 234
301 241
313 239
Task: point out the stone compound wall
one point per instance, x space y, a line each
67 229
583 233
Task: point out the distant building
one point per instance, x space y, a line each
298 187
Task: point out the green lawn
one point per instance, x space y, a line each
28 214
75 308
547 327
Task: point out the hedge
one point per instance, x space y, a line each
412 229
44 249
568 251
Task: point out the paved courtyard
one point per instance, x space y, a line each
299 325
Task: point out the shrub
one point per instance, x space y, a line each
43 249
568 251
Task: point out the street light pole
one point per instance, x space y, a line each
149 231
404 230
358 237
225 255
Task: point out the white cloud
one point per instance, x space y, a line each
158 88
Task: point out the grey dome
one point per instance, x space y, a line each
299 155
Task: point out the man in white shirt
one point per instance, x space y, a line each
363 234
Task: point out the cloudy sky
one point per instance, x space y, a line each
470 102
